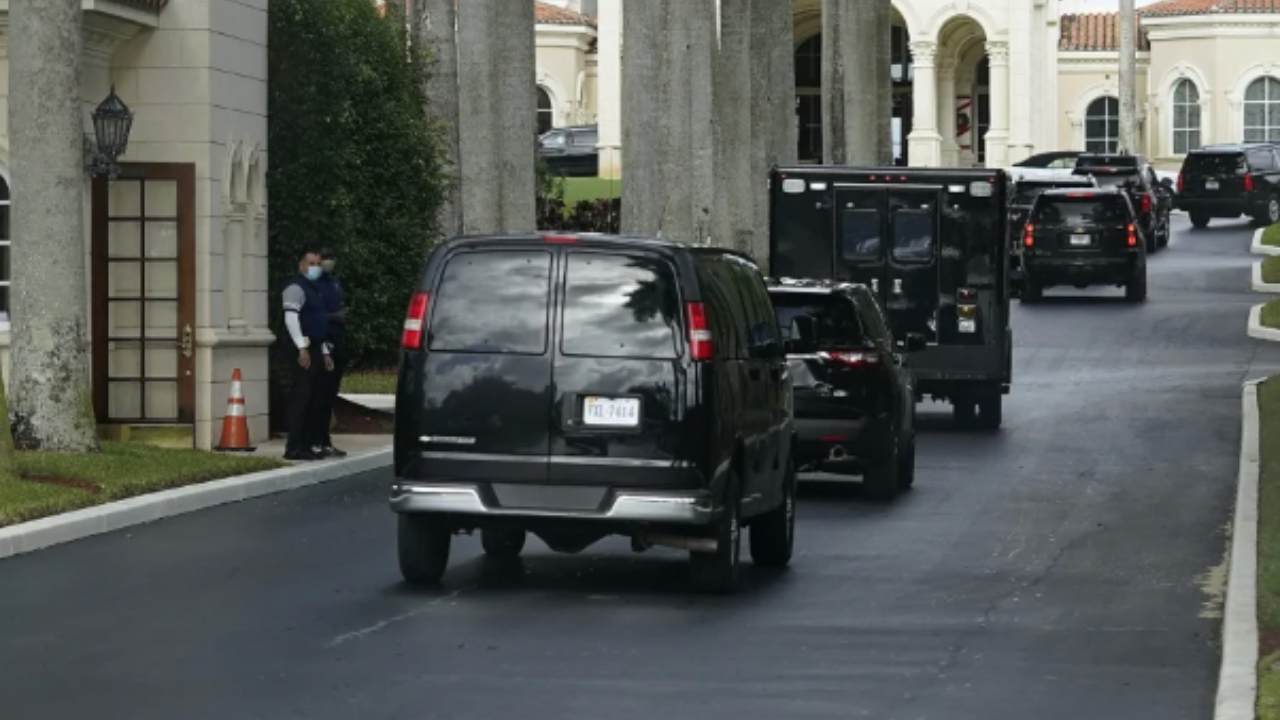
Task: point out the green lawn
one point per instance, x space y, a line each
1269 551
53 483
589 188
370 383
1271 270
1271 315
1271 236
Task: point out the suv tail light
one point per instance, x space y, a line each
1146 203
700 348
1028 235
1248 183
852 359
415 322
1133 235
1181 183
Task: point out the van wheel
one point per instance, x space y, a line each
1136 289
991 410
907 464
717 572
502 543
963 411
1199 220
773 536
880 481
1032 292
422 542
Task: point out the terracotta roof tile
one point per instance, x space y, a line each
548 14
1096 32
1169 8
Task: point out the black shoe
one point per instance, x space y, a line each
302 455
331 451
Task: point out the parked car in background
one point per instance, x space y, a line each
576 387
571 151
1152 198
1227 181
1082 238
854 392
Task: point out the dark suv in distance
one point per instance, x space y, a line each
854 396
1227 181
576 387
1151 198
571 151
1082 238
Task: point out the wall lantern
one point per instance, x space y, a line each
112 121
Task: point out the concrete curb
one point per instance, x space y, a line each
1257 248
58 529
1256 330
1259 285
1238 674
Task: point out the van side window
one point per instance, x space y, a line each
859 234
872 316
620 306
761 320
492 302
913 236
724 307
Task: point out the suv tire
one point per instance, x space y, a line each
773 535
1271 214
1031 290
502 543
1162 238
963 412
1199 220
880 481
717 572
422 543
907 463
1136 289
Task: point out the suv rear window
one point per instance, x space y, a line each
835 316
1214 163
620 306
493 301
1092 210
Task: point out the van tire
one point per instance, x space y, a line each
717 573
773 535
991 410
880 481
502 543
1032 292
422 543
1136 289
963 411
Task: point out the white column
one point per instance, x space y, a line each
1020 96
947 114
609 87
998 132
924 141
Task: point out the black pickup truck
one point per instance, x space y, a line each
932 244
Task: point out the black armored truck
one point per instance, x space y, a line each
932 244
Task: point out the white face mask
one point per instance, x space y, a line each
328 265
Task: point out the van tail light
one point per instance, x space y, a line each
1181 183
1248 183
415 322
1146 203
700 348
1029 235
1133 235
852 359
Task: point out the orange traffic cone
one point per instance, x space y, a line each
235 425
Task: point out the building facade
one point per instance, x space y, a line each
1007 78
176 247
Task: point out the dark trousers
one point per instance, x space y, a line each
304 402
330 384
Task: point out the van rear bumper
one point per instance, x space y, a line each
672 507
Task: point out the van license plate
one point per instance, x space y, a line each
1210 184
611 411
1078 240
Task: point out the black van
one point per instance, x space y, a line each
1082 238
932 245
1227 181
583 386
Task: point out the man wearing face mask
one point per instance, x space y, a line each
308 325
336 313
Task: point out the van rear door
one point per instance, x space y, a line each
619 375
887 239
485 384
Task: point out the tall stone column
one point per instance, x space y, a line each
773 103
925 142
435 27
51 407
884 72
734 224
609 87
947 113
998 132
850 90
496 65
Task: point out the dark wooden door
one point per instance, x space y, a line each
143 276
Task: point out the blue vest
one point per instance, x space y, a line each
331 290
315 324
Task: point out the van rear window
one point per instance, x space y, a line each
1080 211
620 306
913 236
836 318
860 235
492 302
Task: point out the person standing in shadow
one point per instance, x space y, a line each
331 383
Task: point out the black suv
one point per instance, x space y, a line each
1024 192
571 151
1227 181
1151 198
854 396
583 386
1082 238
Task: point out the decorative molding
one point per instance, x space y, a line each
230 156
971 9
923 53
998 52
102 35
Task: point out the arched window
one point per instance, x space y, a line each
1262 110
546 114
1186 117
1102 125
4 250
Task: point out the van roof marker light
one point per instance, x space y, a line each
981 189
793 186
